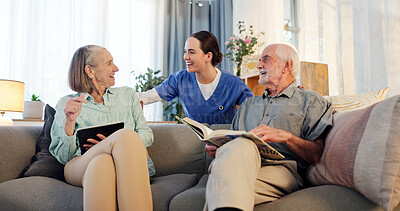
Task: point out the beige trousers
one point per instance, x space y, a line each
113 173
238 178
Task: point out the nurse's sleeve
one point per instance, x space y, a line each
141 127
148 97
243 92
168 89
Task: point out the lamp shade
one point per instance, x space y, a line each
11 95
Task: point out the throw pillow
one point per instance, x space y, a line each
356 101
362 152
44 163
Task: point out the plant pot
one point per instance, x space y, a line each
33 110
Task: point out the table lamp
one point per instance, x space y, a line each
11 99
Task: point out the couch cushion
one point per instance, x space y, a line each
43 163
17 147
176 150
44 193
356 101
40 193
191 199
164 188
326 197
362 152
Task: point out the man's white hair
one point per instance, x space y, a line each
285 52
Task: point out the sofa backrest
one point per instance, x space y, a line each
176 149
17 147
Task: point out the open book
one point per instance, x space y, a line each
220 137
85 133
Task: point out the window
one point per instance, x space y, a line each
290 22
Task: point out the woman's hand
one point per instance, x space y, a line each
211 150
72 110
93 141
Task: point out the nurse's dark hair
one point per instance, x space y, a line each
209 43
78 80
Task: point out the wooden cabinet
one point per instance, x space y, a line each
313 76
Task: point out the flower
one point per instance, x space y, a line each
242 45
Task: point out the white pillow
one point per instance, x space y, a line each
356 101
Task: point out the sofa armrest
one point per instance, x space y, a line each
18 146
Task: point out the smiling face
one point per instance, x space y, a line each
196 60
103 71
270 67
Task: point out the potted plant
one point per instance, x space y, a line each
33 108
242 45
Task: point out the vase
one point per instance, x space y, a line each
33 110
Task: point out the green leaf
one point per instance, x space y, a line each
35 98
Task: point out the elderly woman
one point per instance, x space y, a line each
114 172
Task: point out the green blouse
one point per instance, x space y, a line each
120 104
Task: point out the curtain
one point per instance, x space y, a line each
185 17
38 39
177 30
266 16
358 39
221 26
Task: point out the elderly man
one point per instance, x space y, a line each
292 120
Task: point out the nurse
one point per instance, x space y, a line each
208 94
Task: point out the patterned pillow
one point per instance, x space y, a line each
356 101
362 152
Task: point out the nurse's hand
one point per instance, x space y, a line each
211 150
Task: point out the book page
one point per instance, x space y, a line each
200 129
220 137
217 133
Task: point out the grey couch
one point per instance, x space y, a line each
179 184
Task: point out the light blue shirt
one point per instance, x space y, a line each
304 113
120 104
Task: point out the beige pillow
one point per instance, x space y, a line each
356 101
362 152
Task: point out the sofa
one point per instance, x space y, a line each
182 165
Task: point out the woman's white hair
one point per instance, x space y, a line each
285 52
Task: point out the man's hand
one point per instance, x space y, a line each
211 150
269 134
309 151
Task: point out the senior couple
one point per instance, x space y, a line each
115 173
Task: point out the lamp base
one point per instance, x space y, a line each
5 121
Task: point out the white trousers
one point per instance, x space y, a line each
238 179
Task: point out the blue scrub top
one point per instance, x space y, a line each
220 108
